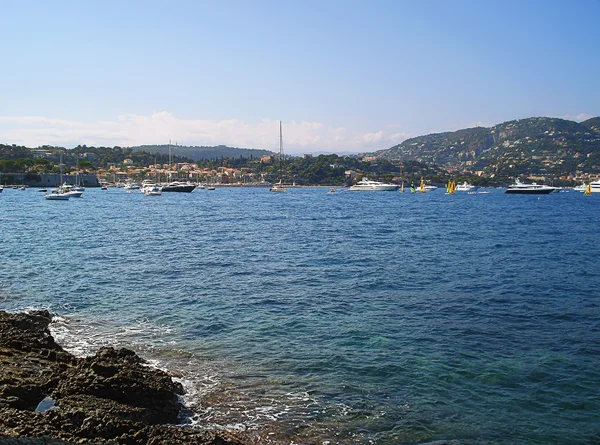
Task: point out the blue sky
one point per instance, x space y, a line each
342 76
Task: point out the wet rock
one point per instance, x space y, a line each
112 397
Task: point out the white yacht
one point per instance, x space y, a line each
595 186
465 187
72 191
367 185
152 190
57 195
529 189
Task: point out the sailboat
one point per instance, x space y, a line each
58 194
279 187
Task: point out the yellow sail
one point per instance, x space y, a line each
422 186
588 190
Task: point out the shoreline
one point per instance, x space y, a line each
112 396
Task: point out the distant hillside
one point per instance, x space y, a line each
199 153
538 145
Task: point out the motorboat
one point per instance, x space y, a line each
278 187
177 186
72 191
150 189
595 186
529 189
57 195
580 188
130 187
465 187
153 191
367 185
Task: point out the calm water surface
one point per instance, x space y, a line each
345 318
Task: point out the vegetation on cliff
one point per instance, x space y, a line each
535 146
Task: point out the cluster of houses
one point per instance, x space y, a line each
177 172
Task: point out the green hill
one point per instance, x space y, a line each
538 145
198 153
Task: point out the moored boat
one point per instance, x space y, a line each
366 185
57 195
465 187
177 186
529 189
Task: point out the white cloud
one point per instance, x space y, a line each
160 127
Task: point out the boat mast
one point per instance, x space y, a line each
60 166
280 154
170 161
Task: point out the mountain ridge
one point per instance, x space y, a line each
524 146
198 153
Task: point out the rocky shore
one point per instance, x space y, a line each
49 396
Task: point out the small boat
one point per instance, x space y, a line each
57 195
366 185
581 188
278 187
43 190
331 191
71 191
529 189
152 191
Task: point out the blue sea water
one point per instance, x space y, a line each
344 318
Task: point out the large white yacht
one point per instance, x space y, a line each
373 186
529 189
465 187
595 186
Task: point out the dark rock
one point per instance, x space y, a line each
112 397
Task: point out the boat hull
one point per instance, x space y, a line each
57 197
179 188
529 191
381 188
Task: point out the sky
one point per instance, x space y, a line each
342 76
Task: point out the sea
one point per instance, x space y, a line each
311 317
